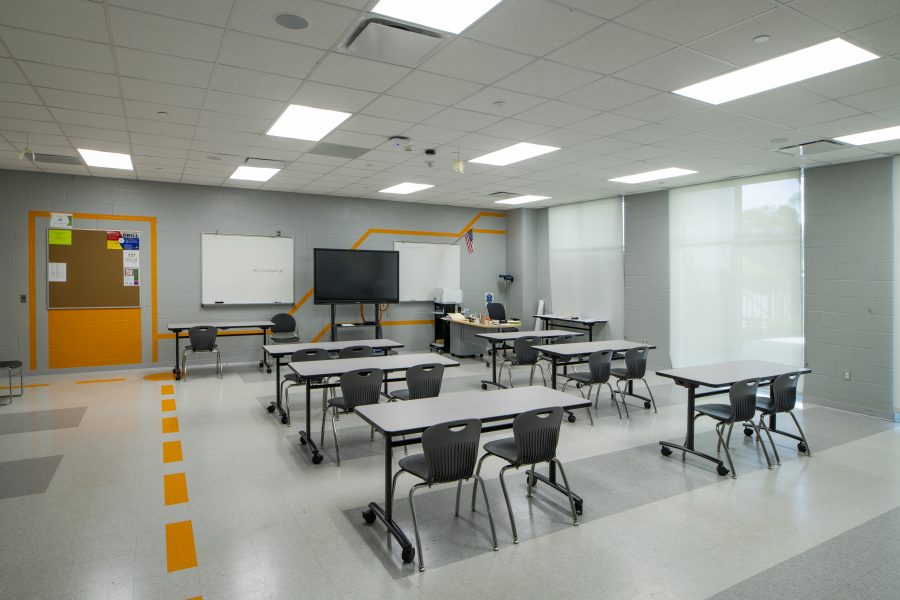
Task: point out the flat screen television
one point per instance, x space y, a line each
356 276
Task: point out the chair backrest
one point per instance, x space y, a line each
536 433
451 450
525 352
742 396
356 352
599 362
496 311
283 323
361 387
636 362
424 381
203 338
310 354
784 392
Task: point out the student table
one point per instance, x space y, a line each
576 323
179 328
278 351
495 409
720 377
499 340
322 369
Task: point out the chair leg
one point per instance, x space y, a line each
568 489
8 399
412 508
543 377
487 507
652 400
728 439
184 354
322 434
800 430
765 452
337 449
612 396
531 375
727 453
219 364
512 519
287 403
477 477
394 485
622 395
590 414
762 424
458 492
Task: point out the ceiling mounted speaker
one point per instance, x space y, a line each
394 43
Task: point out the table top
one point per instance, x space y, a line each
513 335
393 362
221 325
286 349
584 348
725 374
413 416
587 320
479 325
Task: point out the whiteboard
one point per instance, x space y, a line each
246 269
424 267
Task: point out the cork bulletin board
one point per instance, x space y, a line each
89 268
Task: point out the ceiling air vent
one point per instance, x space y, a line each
58 159
502 196
337 150
808 148
391 42
264 163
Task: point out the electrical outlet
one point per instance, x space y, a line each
23 299
847 375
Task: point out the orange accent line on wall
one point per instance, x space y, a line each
301 301
171 336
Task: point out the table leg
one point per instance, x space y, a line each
666 448
385 513
273 406
177 369
590 329
553 371
306 436
493 381
264 361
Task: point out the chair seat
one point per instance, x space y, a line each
284 338
338 402
11 364
416 465
213 349
720 412
505 449
293 377
400 394
581 377
619 373
766 405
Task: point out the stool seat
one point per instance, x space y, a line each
11 364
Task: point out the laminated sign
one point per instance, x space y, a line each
131 278
123 240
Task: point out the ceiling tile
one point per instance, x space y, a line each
463 120
56 50
357 73
74 18
556 113
503 103
687 20
159 67
432 135
78 101
814 113
327 22
875 100
233 122
855 124
843 15
674 69
608 9
436 89
160 152
229 137
253 83
13 92
242 105
145 139
740 131
704 120
91 119
93 133
532 27
333 97
150 110
608 93
854 80
546 79
562 138
608 123
70 79
10 72
163 35
350 138
391 107
29 126
209 12
610 48
216 147
880 36
772 101
179 130
270 56
25 111
375 125
164 93
473 61
660 107
515 129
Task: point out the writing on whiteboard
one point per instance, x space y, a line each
267 270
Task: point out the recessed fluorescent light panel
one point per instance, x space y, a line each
406 188
513 154
826 57
871 137
521 199
108 160
653 175
253 173
306 123
446 15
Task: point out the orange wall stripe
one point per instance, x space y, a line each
153 306
167 390
321 333
180 550
172 452
491 231
32 307
100 380
302 301
168 404
483 213
170 425
175 489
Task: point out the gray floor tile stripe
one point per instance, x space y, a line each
27 476
860 563
609 483
41 420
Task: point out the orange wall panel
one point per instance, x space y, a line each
94 337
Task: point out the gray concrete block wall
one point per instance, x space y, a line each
183 212
849 286
647 273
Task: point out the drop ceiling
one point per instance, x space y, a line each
189 89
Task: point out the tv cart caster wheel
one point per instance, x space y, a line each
665 451
261 364
748 432
284 420
369 516
721 470
177 376
317 458
578 507
270 408
484 386
646 405
408 554
802 447
571 418
268 369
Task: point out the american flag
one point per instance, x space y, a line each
470 241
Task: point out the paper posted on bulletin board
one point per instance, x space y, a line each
129 243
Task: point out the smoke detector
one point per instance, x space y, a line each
401 142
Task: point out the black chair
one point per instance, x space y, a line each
292 379
423 381
599 364
10 366
449 454
358 388
356 352
203 339
496 311
525 355
535 436
635 368
284 330
783 398
741 408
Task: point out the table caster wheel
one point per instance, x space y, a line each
802 447
748 432
484 386
578 507
317 458
174 371
302 441
646 405
261 365
571 418
408 554
369 516
721 470
532 481
270 408
268 369
284 420
177 377
665 451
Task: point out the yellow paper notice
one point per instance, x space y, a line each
60 237
113 245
